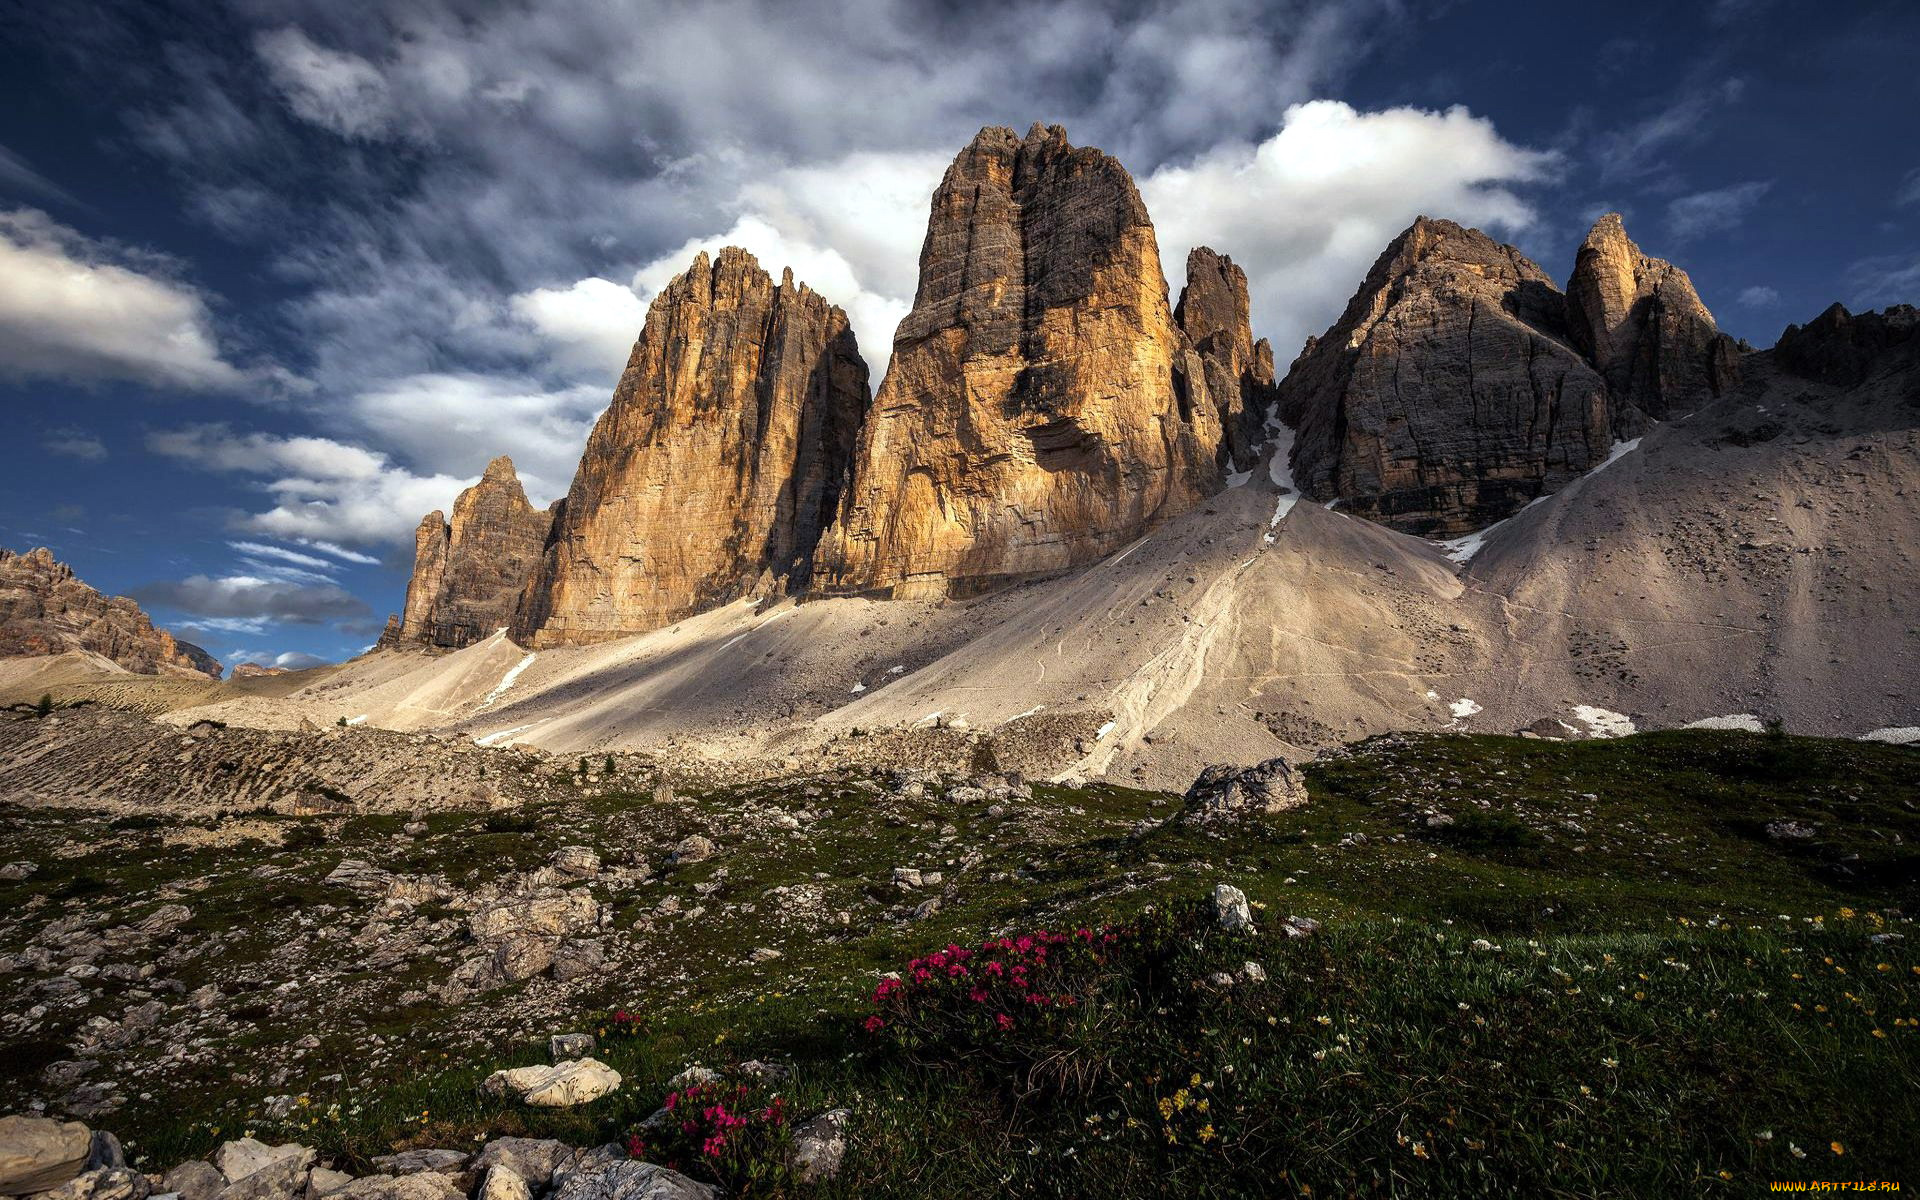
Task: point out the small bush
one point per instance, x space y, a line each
512 821
737 1135
45 705
305 836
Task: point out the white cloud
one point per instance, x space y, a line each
75 443
335 90
1716 211
453 424
322 490
262 550
295 660
78 309
1909 188
1758 296
18 174
1307 211
592 323
341 552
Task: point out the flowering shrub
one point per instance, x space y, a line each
732 1133
1015 1002
622 1024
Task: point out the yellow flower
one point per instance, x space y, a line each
1420 1150
1848 914
1838 1148
1206 1132
1879 1033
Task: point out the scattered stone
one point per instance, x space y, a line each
1253 972
412 1162
1230 907
428 1185
1790 831
103 1183
1300 927
562 1085
38 1153
570 1045
14 872
693 849
579 861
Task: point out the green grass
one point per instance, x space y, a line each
1601 977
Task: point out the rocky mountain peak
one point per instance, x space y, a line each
468 572
1033 418
1446 396
45 609
1643 327
715 467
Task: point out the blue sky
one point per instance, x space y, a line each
279 276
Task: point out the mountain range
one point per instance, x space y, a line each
1082 527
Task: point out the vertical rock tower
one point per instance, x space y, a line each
468 573
1033 418
1214 314
1640 323
717 465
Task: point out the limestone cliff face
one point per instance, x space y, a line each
468 573
1446 396
1033 418
720 460
1238 372
45 610
1640 323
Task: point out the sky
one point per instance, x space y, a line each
278 277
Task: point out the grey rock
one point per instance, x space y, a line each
693 849
535 1160
632 1181
562 1085
194 1179
323 1182
503 1183
570 1045
577 958
242 1157
820 1144
412 1162
1230 907
280 1179
1223 791
103 1183
426 1186
14 872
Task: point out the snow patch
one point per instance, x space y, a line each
1432 695
1602 722
930 718
1897 735
1742 722
1463 708
359 720
1239 478
1105 730
857 688
895 670
1619 451
491 738
1015 717
506 681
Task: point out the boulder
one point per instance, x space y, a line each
412 1162
563 1085
502 1183
194 1179
1229 791
242 1157
323 1182
38 1153
551 912
428 1185
535 1160
632 1181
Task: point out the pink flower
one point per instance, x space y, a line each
875 1024
1004 1021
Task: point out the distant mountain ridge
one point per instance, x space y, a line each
45 609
